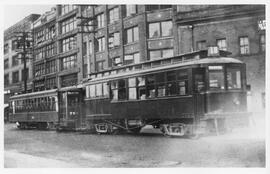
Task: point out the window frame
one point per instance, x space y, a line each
222 47
134 35
160 29
246 46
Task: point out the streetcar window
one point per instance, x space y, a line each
141 88
182 84
132 92
171 83
92 89
99 90
150 91
53 103
114 87
122 94
216 78
161 84
87 92
105 90
233 78
198 76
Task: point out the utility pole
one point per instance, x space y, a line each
24 44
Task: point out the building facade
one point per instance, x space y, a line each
72 42
13 64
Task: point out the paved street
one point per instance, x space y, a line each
32 148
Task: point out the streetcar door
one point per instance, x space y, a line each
70 109
199 87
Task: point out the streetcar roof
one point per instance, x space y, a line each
210 60
39 93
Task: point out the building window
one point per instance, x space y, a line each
160 29
69 62
39 70
69 80
222 45
114 40
39 85
116 61
6 79
14 45
27 74
132 92
101 44
50 50
201 45
50 33
157 7
131 35
6 64
113 15
67 8
100 66
39 36
90 47
51 67
132 58
50 83
100 20
244 45
6 48
15 77
68 25
15 60
156 54
262 42
68 44
130 10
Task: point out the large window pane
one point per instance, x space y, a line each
233 78
167 53
155 54
99 89
129 36
216 79
154 30
166 28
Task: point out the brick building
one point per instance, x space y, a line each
13 65
71 42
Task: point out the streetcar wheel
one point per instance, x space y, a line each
194 136
136 130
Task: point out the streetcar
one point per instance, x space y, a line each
35 110
186 95
189 94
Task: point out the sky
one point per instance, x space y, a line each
15 13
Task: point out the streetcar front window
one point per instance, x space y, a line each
216 78
233 78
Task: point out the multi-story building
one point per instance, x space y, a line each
239 29
45 52
13 64
92 38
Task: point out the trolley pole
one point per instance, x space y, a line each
24 63
23 45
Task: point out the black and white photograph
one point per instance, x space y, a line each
134 85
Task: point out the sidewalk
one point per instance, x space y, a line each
14 159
